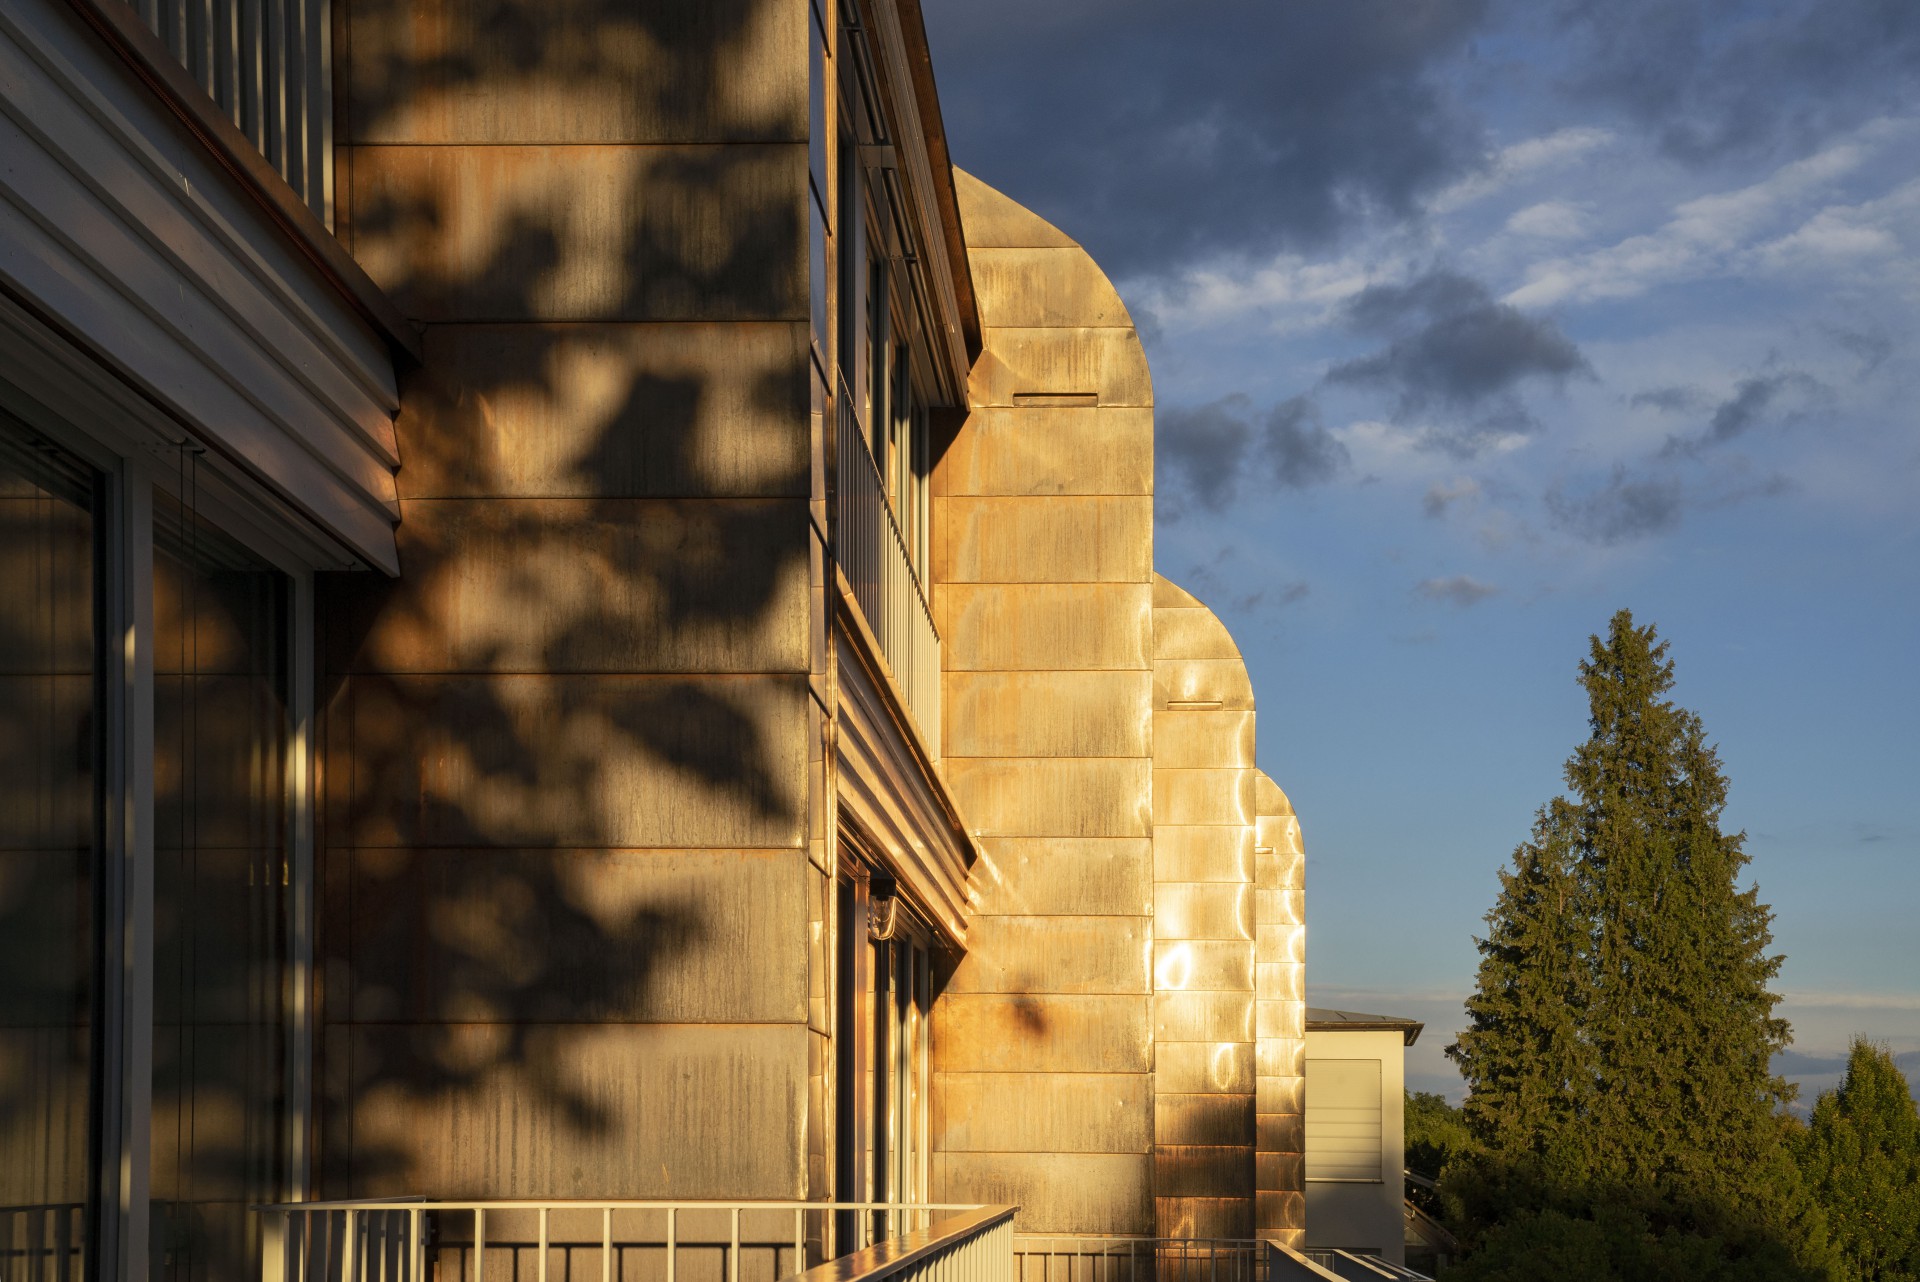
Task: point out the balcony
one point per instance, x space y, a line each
1038 1258
887 694
417 1240
421 1240
873 558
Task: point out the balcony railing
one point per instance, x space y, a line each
266 64
872 554
415 1240
1039 1258
43 1243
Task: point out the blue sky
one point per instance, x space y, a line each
1472 322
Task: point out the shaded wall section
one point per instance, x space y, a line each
1043 524
567 895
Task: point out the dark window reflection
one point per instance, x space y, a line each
220 895
49 851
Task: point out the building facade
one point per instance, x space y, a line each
1356 1132
581 622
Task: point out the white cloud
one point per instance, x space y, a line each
1520 160
1703 236
1293 293
1551 220
1841 236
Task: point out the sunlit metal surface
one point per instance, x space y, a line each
1280 1001
1043 548
1203 775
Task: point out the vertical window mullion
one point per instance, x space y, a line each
300 856
127 997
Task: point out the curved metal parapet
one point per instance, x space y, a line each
1280 965
1229 944
1113 1056
1204 923
1043 597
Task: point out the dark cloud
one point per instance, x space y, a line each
1460 590
1203 449
1625 508
1741 76
1208 451
1299 446
1452 346
1443 495
1870 349
1753 400
1740 411
1631 506
1673 400
1163 134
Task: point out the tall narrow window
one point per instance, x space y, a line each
50 853
221 895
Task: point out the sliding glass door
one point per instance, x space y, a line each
222 874
50 853
155 861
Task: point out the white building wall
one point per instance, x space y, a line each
1354 1204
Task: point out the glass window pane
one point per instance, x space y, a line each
221 940
50 849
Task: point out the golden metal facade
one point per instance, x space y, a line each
1043 594
1203 923
1119 1050
1280 965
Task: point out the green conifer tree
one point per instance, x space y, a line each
1521 1052
1621 1030
1679 1021
1860 1154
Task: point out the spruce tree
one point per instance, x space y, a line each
1621 1029
1861 1158
1679 1022
1521 1052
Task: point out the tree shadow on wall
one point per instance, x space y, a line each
552 745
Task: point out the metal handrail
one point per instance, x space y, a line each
871 553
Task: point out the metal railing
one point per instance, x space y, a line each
417 1240
43 1243
267 65
1284 1264
1064 1258
976 1246
1075 1258
1362 1268
872 554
